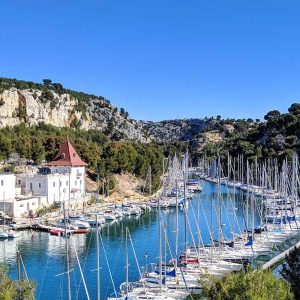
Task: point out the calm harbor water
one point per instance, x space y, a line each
44 255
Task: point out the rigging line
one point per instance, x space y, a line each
84 283
167 241
218 218
43 280
110 274
115 263
75 280
181 271
208 227
197 251
198 229
227 217
136 261
233 208
59 291
84 264
24 269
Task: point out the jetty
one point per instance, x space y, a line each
275 261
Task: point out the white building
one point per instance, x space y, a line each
62 180
7 191
67 175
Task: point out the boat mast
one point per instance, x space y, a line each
185 216
247 199
165 248
234 198
150 182
159 229
228 166
252 199
220 204
198 220
19 265
127 264
3 211
67 254
176 230
98 258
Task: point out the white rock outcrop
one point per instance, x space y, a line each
18 106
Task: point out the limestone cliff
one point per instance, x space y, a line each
51 103
63 109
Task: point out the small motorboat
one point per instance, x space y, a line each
109 215
56 232
3 235
82 225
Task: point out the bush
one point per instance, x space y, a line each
46 96
47 209
291 271
247 285
10 289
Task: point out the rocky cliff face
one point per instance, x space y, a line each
174 130
31 103
63 109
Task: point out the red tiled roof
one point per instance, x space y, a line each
67 156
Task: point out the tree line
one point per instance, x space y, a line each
40 143
278 136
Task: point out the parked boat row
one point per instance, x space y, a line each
276 204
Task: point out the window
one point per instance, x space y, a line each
19 182
40 185
60 183
67 183
30 185
80 182
2 182
75 182
53 183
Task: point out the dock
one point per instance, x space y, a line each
275 261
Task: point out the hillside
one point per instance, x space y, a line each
50 103
277 137
98 123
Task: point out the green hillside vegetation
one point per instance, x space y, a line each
108 152
41 143
247 285
278 136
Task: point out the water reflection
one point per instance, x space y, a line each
44 255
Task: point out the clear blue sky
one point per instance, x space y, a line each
160 59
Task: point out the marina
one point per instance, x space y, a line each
149 150
161 247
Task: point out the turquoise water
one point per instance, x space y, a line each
44 255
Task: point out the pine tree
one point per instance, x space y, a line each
18 290
291 271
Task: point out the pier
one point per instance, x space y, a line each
275 261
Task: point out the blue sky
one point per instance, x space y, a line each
160 59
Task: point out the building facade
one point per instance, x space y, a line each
7 191
61 180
